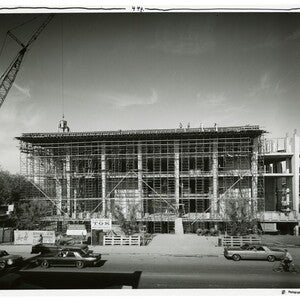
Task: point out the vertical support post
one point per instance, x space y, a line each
58 197
32 171
58 190
254 179
103 174
140 179
296 229
68 177
287 166
75 202
176 173
295 170
287 145
214 203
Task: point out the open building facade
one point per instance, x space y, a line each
202 175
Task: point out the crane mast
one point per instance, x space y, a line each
9 76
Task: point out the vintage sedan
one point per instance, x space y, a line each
78 258
258 252
52 248
8 260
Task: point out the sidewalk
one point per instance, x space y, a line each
165 244
171 244
162 244
281 240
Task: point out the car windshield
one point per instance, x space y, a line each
277 249
246 246
3 253
83 253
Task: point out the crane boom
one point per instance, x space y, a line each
9 76
39 30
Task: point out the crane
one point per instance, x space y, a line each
9 76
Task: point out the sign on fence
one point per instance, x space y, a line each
269 227
27 237
101 224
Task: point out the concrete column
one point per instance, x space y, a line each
140 179
287 166
295 170
254 172
296 229
75 202
58 188
287 143
103 174
58 196
68 177
32 170
214 201
279 167
178 226
176 173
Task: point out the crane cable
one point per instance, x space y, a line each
25 22
4 42
62 68
5 39
1 50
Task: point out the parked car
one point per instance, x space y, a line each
44 248
79 248
246 246
50 248
78 258
8 260
254 251
70 241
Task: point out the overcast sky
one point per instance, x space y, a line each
135 71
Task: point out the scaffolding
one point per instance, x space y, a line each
155 175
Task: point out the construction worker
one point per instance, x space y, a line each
41 239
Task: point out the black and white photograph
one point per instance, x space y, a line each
149 148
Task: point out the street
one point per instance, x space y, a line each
171 271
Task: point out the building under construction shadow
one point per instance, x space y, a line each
151 176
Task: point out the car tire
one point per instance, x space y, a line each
236 257
45 264
271 258
79 264
2 265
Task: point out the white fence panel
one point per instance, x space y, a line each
237 241
119 240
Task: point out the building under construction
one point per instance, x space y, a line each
151 176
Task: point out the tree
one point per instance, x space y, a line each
27 213
128 223
241 221
10 187
119 215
